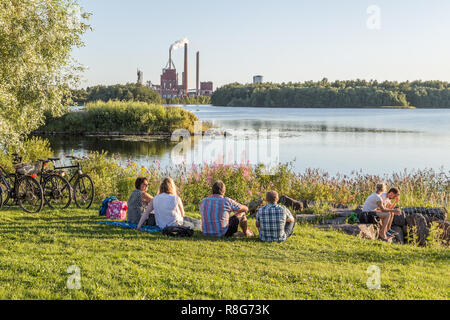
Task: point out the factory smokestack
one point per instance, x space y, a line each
185 73
197 84
177 45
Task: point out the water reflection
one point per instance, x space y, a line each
130 147
336 140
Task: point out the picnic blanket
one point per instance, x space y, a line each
126 225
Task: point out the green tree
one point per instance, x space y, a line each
36 67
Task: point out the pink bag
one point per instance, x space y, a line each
117 210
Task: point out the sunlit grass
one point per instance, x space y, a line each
116 263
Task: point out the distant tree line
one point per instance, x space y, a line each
190 100
325 94
118 92
129 92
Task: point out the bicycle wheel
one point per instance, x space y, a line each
1 199
7 195
29 195
57 192
84 191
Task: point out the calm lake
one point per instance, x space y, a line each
377 141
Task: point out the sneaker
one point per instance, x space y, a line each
392 233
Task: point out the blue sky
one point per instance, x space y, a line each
284 40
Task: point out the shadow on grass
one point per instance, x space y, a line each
87 227
301 244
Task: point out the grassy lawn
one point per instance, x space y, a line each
36 251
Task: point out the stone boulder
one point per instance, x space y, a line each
418 221
292 203
254 206
430 214
437 214
445 228
363 231
400 238
311 218
400 220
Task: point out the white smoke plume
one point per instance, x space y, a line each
179 44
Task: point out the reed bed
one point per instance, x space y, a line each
123 117
245 183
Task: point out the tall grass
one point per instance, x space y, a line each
124 117
427 188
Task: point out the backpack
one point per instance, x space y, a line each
181 232
104 206
353 218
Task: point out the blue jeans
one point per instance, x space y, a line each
289 228
192 223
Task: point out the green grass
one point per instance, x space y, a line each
36 251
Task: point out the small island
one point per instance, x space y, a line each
338 94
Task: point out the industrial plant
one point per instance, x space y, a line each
169 86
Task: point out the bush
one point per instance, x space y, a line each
126 117
31 150
246 183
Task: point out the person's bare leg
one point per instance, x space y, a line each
244 226
385 217
391 220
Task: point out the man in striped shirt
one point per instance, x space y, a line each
275 223
216 214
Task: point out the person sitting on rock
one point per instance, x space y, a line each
380 203
274 222
216 215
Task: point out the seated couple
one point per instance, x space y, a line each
380 203
222 217
164 210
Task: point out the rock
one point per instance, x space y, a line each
344 213
445 228
400 238
254 206
339 220
418 221
292 204
437 214
311 218
400 220
363 231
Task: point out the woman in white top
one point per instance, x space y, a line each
168 207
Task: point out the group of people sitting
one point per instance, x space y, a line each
221 216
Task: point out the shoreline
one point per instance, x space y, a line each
157 135
343 108
102 134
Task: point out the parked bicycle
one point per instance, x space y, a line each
83 186
57 190
21 187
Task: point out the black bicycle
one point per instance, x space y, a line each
83 188
21 187
57 190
